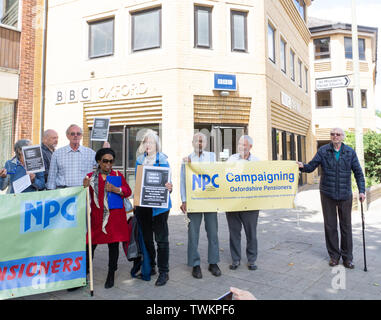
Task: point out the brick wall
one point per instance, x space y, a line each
24 108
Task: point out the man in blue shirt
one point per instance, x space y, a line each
211 225
70 164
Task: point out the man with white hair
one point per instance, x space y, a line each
70 164
337 160
48 146
247 219
211 223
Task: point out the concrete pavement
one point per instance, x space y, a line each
292 262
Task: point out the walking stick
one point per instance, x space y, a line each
89 243
363 235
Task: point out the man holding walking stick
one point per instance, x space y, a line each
337 160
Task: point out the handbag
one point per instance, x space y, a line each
128 206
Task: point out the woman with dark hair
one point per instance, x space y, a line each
108 216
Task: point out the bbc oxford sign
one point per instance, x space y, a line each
332 82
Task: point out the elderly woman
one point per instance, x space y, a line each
108 225
154 221
15 169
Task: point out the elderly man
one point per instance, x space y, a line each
48 146
247 219
337 160
70 164
211 225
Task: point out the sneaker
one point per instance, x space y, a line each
162 279
234 265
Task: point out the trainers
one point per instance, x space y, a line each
251 266
234 265
162 279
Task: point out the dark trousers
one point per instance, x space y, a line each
155 227
113 255
331 210
249 220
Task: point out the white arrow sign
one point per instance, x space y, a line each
333 82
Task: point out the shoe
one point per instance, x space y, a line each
215 270
348 264
333 262
234 265
162 279
110 280
252 266
196 272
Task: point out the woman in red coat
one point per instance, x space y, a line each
107 225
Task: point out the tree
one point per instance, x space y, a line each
372 154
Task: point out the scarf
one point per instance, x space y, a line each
94 183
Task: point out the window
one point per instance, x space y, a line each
101 38
301 6
271 42
323 99
348 48
364 102
322 48
306 74
283 64
239 31
146 29
350 98
202 27
292 65
300 73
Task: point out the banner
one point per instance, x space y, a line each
43 241
241 185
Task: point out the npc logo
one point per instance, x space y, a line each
201 181
39 215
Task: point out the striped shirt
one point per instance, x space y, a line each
68 168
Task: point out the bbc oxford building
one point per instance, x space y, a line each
178 66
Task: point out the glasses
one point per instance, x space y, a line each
333 134
108 161
75 134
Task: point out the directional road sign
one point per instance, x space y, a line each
332 82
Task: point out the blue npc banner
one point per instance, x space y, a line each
43 242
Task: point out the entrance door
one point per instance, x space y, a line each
223 140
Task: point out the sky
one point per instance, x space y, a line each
368 14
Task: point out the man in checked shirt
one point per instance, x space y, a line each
70 164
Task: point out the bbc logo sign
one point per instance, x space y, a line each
73 95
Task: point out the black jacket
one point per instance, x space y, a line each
335 180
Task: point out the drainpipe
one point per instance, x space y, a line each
43 75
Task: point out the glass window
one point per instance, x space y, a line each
348 48
292 65
364 102
101 42
6 131
146 29
323 99
301 6
203 27
283 63
350 98
306 74
300 73
239 31
322 48
271 42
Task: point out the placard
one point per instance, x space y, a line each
150 190
33 159
100 129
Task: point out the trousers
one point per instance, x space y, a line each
249 220
113 256
211 228
155 227
342 209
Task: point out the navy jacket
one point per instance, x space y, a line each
335 180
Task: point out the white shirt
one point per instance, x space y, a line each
204 157
237 157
